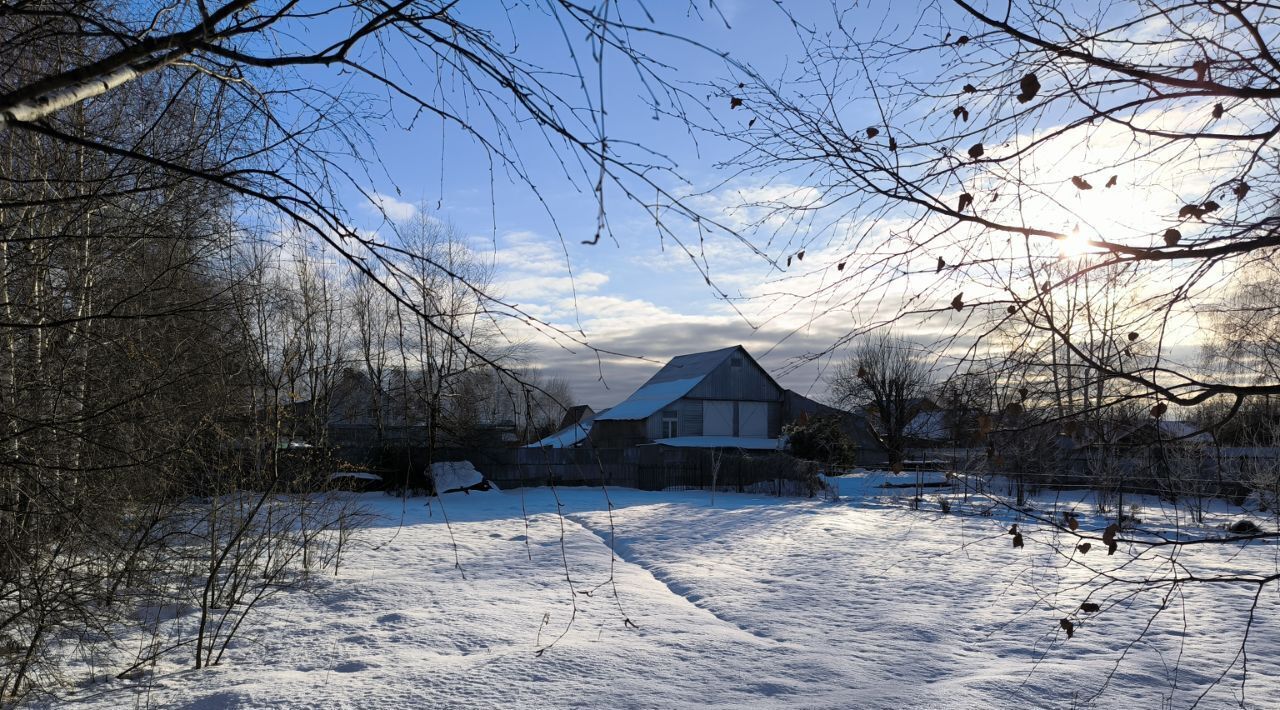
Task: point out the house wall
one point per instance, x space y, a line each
690 417
653 425
744 382
691 422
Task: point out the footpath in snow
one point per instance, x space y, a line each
750 602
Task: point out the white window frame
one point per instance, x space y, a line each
670 424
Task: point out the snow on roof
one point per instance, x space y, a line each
928 425
724 442
571 435
1184 430
676 379
650 398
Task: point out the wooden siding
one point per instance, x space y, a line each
653 425
747 382
690 417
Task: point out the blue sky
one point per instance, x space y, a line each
636 293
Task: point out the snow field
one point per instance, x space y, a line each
752 602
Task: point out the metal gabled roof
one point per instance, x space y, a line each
675 380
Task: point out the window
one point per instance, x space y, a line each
735 361
670 419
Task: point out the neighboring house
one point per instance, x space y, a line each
717 399
934 427
573 431
350 416
929 428
869 450
576 414
1143 452
1132 434
356 414
1167 431
721 398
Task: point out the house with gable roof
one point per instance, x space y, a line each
716 399
720 398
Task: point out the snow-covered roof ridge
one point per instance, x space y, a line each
675 380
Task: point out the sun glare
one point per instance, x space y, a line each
1073 245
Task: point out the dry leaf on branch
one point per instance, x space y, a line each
1109 537
1192 211
1030 86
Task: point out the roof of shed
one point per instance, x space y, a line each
928 425
676 379
567 437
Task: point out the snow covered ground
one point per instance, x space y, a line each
750 602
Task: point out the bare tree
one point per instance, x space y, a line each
978 163
153 351
889 377
1119 138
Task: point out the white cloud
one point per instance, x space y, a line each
394 209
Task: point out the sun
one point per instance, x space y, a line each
1074 245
